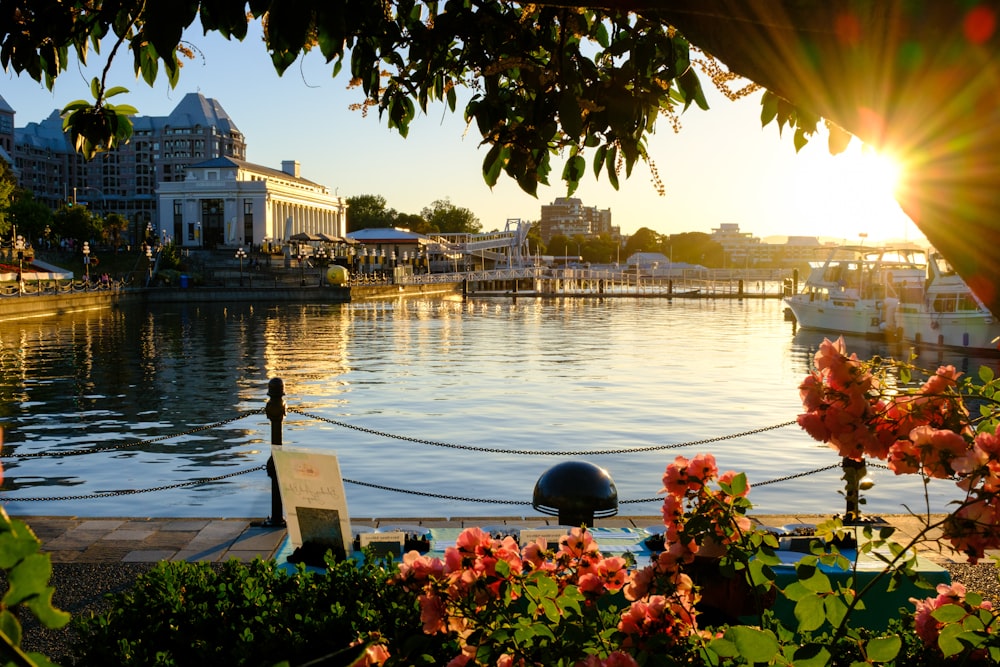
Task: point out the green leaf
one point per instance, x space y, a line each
810 613
986 374
10 627
753 644
574 170
811 655
948 640
949 613
884 649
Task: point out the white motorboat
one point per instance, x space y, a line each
898 293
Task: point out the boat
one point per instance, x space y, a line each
897 293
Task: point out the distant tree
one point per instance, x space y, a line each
31 217
75 222
8 184
600 249
535 244
644 240
559 245
115 226
695 248
415 223
447 218
368 212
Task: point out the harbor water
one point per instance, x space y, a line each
434 407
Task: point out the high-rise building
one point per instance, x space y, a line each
124 180
569 217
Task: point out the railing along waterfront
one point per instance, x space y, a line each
276 410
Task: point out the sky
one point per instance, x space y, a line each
722 167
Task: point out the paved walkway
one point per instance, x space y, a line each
82 540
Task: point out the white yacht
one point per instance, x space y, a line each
899 293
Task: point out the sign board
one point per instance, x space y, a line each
389 542
550 535
312 494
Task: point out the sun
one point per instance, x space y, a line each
869 182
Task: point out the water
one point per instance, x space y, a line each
569 377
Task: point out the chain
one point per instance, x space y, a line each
130 492
438 495
756 484
380 487
126 445
536 452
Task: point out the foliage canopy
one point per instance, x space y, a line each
581 84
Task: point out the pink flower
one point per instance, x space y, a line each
432 613
419 568
675 479
701 470
614 659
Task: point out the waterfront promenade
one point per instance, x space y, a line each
137 540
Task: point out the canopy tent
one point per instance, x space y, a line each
304 237
918 79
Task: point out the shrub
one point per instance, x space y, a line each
250 614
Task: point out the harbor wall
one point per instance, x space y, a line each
45 305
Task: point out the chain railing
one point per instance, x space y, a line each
276 410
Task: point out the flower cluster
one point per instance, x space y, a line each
487 588
486 581
927 626
928 431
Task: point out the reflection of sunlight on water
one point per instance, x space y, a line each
569 377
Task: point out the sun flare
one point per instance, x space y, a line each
867 183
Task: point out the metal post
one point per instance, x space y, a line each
854 472
275 411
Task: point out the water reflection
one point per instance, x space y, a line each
570 375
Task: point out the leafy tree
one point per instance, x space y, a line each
559 245
31 217
600 249
115 227
535 244
415 223
75 222
643 240
447 218
695 248
7 186
368 212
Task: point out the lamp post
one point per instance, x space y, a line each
302 268
241 255
321 263
19 246
86 261
149 262
149 231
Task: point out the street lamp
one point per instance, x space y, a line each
86 261
302 267
149 262
149 231
241 255
321 263
19 245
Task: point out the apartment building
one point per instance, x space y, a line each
568 216
122 181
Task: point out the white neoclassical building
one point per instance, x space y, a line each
230 202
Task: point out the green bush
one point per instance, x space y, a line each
252 614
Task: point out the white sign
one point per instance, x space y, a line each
550 535
312 494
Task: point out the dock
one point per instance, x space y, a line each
150 540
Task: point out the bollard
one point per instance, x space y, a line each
275 411
854 473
